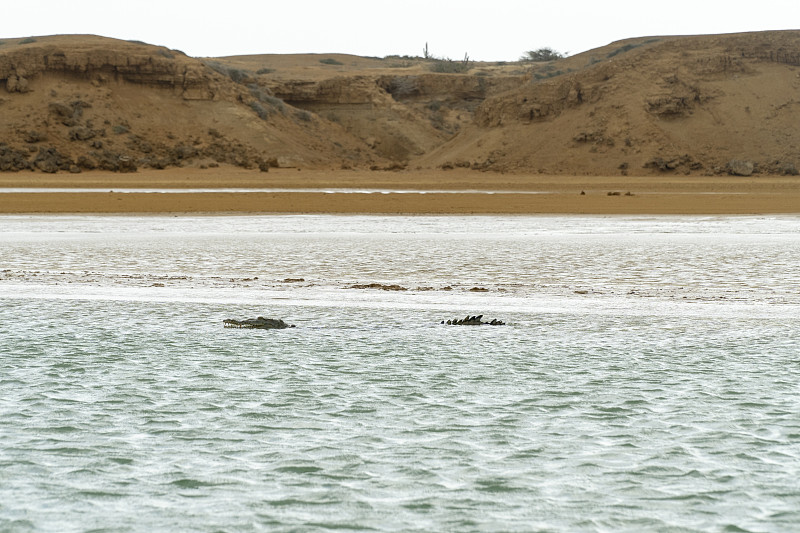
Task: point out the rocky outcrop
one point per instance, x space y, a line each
338 90
124 61
667 164
535 102
13 160
473 321
16 84
257 323
50 161
447 87
738 167
383 90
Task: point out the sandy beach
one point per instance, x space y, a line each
414 192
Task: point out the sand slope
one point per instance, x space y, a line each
651 105
90 102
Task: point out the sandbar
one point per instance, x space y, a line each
458 191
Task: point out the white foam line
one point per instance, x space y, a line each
83 190
41 190
337 298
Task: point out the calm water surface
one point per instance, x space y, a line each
648 378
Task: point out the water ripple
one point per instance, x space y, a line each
587 413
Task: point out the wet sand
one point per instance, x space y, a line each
511 193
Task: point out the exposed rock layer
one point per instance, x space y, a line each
91 102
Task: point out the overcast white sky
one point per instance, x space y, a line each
487 30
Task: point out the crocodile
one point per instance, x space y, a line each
257 323
473 321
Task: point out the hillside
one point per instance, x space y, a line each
687 105
681 105
85 102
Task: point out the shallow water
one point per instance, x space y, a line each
647 380
327 190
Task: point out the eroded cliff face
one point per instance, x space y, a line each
84 102
688 105
674 105
400 117
73 103
91 58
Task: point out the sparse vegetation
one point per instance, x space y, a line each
404 58
136 42
119 129
623 49
166 53
29 40
330 61
437 117
541 55
630 46
437 121
302 114
260 110
263 97
237 75
217 67
448 66
434 105
548 75
445 64
265 71
549 71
